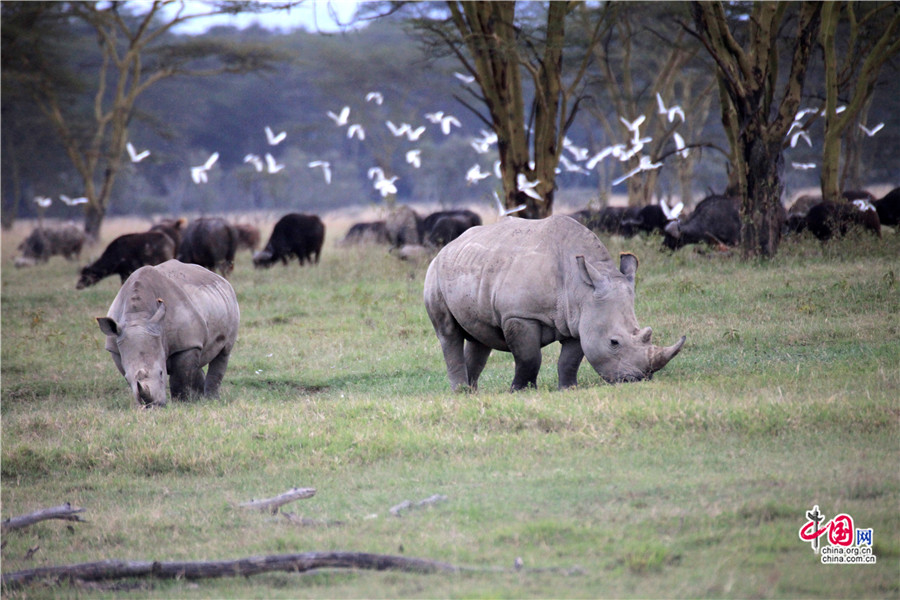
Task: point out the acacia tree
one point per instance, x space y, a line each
871 39
134 55
497 48
757 115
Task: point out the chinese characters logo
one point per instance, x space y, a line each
847 544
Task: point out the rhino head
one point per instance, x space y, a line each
612 342
142 354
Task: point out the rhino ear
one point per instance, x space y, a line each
591 276
628 264
108 326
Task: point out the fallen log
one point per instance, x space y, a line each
273 504
66 512
295 563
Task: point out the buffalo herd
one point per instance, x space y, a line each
406 231
212 242
716 219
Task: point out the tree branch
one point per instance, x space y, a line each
65 512
272 504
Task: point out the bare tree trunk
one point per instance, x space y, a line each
755 125
762 214
851 171
12 193
496 55
94 213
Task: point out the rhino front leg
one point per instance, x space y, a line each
524 340
476 357
185 376
215 373
569 360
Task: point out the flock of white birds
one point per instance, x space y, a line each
581 161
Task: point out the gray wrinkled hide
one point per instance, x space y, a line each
172 319
519 285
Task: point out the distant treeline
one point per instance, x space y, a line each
183 121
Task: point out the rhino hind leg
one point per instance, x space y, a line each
476 355
524 340
450 335
215 374
453 350
186 378
569 360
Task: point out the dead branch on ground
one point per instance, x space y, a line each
65 512
295 563
273 504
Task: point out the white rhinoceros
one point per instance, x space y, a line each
174 319
519 285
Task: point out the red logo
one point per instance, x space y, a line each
840 529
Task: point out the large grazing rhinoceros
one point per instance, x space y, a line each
518 285
174 319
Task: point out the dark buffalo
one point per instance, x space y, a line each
827 220
126 254
294 234
172 228
248 236
42 243
606 220
648 219
797 214
464 216
444 226
445 230
889 208
373 232
716 219
211 243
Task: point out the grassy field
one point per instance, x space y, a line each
695 484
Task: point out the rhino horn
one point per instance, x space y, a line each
144 394
660 357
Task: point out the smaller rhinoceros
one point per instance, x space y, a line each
174 319
519 285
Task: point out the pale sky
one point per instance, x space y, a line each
313 15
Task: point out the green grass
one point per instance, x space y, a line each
694 484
